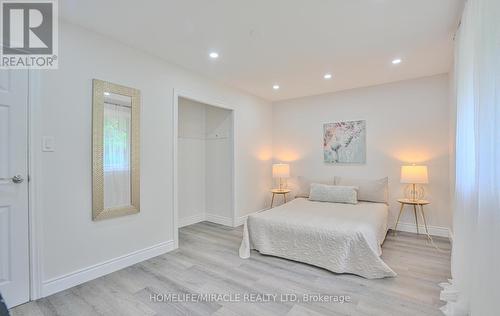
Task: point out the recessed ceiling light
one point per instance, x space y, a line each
106 93
396 61
214 55
276 87
327 76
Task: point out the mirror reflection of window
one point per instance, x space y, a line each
116 151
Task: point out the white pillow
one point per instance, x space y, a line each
333 193
369 190
304 186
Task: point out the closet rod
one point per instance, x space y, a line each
201 138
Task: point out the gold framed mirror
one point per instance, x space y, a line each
115 150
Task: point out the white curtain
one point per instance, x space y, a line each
116 155
475 287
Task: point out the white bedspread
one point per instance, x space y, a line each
342 238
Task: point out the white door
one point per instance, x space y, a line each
14 252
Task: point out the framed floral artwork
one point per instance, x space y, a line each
344 142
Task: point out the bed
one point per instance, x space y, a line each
342 238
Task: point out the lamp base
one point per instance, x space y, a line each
414 192
282 184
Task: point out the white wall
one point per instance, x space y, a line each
406 122
70 240
218 164
191 160
205 154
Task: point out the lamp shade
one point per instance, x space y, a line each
281 170
414 174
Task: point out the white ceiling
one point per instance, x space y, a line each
292 43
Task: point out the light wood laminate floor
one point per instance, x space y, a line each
207 262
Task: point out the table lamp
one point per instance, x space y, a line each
415 175
280 171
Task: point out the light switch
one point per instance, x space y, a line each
48 143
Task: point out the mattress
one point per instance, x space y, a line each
343 238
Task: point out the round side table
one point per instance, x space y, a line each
417 204
279 191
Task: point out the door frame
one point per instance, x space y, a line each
205 99
34 218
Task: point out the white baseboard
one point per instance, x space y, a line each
191 220
433 230
69 280
217 219
241 220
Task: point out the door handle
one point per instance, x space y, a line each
16 179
